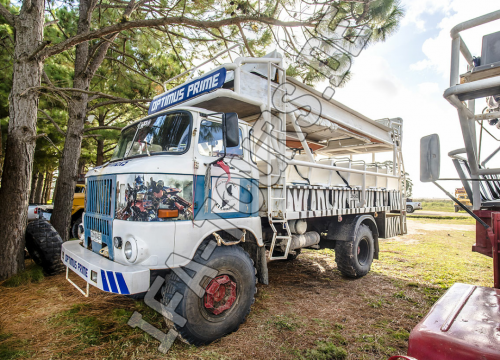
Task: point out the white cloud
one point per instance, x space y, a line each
421 65
423 109
437 49
416 9
428 88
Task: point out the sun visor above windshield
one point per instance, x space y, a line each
207 83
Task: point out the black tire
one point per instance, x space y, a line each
44 245
456 208
202 326
409 209
74 228
354 258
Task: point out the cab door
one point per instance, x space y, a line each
230 200
230 187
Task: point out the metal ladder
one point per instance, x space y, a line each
276 178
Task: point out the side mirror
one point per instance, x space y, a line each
230 130
429 158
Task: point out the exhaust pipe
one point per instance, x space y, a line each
310 238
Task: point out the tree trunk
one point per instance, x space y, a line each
85 66
39 188
100 152
77 110
45 185
23 105
1 152
48 187
34 179
68 165
46 178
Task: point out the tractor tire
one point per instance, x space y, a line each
44 245
409 209
75 232
216 313
456 208
354 258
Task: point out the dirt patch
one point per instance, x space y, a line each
415 226
308 306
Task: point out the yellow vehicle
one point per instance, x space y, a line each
77 209
461 195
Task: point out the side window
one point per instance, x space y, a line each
210 141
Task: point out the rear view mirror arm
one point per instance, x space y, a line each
478 219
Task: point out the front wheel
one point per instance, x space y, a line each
227 297
75 229
354 258
409 209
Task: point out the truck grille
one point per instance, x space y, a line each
100 211
101 225
100 196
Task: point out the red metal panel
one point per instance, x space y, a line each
495 239
463 324
487 240
483 244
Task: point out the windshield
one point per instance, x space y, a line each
164 133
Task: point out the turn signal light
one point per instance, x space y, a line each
163 213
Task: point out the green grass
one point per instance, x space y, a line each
437 258
11 349
437 205
86 327
283 322
32 274
325 351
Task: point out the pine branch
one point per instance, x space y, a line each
48 117
134 70
102 128
39 49
245 40
51 23
122 101
201 24
9 17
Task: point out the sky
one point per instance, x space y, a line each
406 75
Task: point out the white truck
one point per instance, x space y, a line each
230 170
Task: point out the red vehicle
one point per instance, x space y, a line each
465 322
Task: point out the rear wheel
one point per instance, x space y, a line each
354 258
44 245
409 209
227 297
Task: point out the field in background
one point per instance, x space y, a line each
436 205
309 310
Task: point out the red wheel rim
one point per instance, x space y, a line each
220 294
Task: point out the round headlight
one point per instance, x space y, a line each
128 250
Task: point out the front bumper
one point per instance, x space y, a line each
111 276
